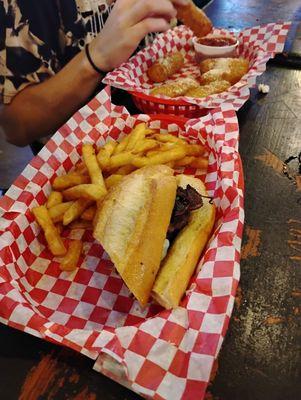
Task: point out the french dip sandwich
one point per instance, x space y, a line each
148 211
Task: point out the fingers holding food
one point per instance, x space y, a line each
164 68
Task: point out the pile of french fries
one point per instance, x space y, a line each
75 196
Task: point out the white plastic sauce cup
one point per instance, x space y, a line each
203 51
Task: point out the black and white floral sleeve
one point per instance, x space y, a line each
38 37
28 54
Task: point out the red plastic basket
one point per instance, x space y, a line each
154 105
168 119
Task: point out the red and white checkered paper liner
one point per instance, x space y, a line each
157 353
257 44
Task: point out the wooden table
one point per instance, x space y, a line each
260 358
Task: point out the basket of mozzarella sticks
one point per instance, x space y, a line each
121 240
188 71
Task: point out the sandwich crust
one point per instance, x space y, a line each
131 225
180 262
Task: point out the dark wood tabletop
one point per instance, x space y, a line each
260 357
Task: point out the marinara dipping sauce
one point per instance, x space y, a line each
212 46
217 41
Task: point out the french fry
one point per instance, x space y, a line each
183 162
149 131
145 145
104 154
168 138
162 148
152 153
164 157
110 146
72 179
136 136
59 228
112 180
170 164
92 166
80 224
89 191
75 210
169 145
195 149
125 170
89 213
70 260
194 162
57 212
121 145
81 168
103 158
54 241
54 199
120 160
200 163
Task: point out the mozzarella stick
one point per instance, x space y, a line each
194 18
176 88
165 67
206 90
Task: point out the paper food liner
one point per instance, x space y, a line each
257 44
157 353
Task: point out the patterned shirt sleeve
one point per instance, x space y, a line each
27 54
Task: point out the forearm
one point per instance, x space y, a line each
39 110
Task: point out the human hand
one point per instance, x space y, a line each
127 25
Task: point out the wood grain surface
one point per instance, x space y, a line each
260 358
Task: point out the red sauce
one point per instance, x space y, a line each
219 41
